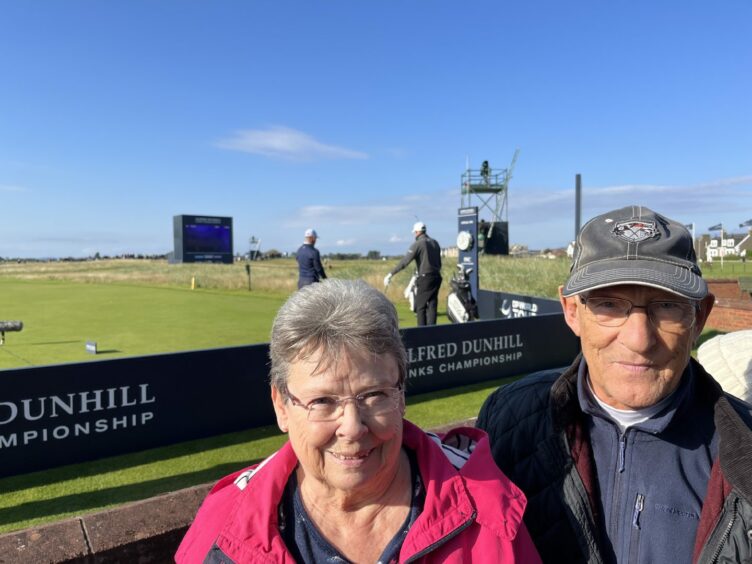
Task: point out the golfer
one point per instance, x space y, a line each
426 253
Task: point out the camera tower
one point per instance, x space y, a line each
487 189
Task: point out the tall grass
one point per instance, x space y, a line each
531 276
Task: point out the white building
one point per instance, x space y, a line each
733 246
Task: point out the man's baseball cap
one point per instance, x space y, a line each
311 233
419 227
635 245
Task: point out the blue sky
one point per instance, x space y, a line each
357 117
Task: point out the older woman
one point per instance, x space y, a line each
356 482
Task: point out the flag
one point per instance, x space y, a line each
718 227
747 223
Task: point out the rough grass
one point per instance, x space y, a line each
533 276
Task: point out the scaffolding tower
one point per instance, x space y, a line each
487 189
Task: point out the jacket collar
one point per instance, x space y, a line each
449 505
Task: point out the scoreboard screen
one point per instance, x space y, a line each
201 238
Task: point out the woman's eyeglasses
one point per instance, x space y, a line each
371 403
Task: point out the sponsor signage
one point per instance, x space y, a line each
502 305
63 414
443 356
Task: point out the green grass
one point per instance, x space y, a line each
731 269
138 307
130 320
51 495
125 320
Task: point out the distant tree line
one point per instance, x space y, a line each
254 255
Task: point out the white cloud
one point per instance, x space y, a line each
539 217
9 188
286 143
533 206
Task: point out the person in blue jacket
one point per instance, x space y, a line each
309 261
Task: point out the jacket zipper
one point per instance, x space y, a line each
443 540
622 451
638 506
726 533
634 537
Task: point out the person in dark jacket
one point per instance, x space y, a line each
634 453
309 260
426 253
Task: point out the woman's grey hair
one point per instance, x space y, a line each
334 316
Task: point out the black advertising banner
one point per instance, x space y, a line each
502 305
443 356
56 415
68 413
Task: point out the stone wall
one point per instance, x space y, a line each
146 532
728 289
733 307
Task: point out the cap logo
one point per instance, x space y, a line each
635 231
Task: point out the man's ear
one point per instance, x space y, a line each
703 312
569 305
280 409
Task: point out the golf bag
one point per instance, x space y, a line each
411 290
461 306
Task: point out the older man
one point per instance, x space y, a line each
634 453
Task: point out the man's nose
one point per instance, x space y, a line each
638 332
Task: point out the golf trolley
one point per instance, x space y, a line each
461 305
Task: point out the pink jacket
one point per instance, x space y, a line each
470 514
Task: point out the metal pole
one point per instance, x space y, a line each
577 204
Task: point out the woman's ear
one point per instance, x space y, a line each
280 409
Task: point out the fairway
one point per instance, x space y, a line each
130 320
59 317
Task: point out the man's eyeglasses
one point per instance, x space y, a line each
664 315
370 403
